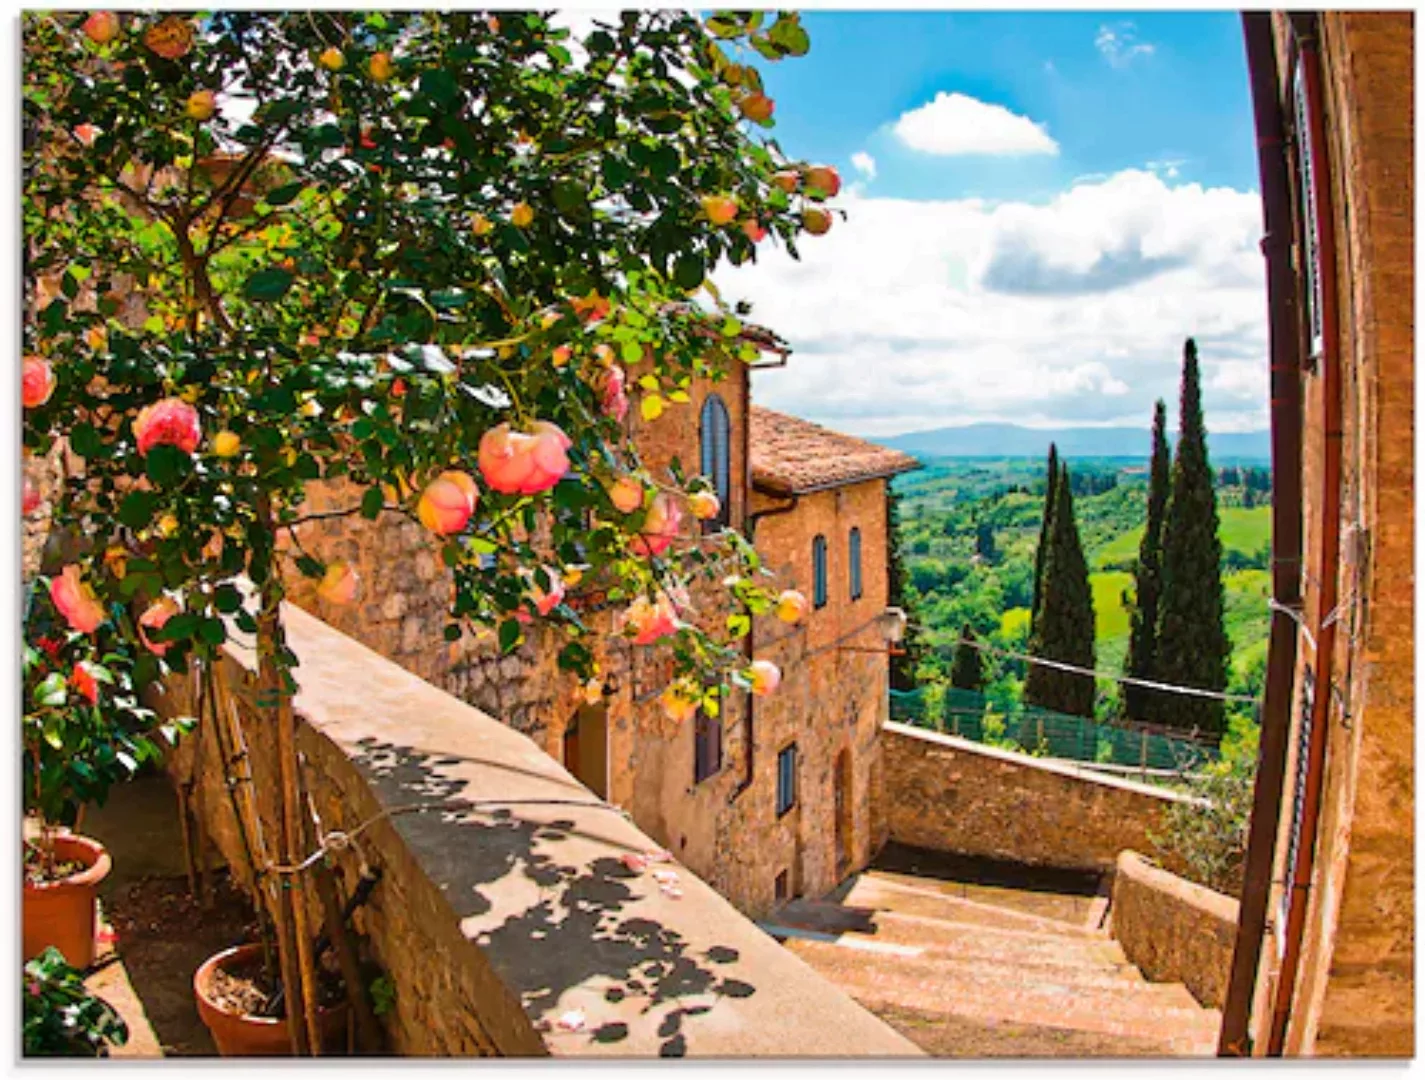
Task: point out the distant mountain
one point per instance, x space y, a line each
1013 441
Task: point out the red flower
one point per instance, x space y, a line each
84 683
171 422
50 646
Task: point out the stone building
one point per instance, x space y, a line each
769 800
1329 970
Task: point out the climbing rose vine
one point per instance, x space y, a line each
439 256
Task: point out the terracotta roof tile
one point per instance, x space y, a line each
792 456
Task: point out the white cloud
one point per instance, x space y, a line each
911 315
864 164
1119 44
959 124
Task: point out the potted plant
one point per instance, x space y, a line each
473 265
84 730
238 1003
61 1017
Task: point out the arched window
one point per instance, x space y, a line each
818 571
854 554
715 439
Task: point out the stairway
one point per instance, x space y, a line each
971 971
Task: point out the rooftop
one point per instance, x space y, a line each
791 456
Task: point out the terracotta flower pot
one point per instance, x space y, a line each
240 1035
62 913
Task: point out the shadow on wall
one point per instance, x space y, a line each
577 933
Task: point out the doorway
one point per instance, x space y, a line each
586 748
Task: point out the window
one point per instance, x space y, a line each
715 438
707 746
786 779
1308 173
854 554
780 888
818 571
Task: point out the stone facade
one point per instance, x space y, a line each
1355 991
1173 930
831 702
958 796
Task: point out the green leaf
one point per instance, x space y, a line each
52 690
371 503
286 193
179 627
227 598
509 635
440 86
212 632
787 34
167 465
84 440
269 284
136 511
689 271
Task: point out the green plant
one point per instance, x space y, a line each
84 728
61 1017
383 995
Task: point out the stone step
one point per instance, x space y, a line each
962 940
1161 1014
881 895
1072 908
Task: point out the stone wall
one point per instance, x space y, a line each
1173 930
499 914
949 794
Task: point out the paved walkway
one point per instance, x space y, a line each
967 964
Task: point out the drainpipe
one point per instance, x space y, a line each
1330 551
1286 533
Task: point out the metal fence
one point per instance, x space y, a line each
1048 733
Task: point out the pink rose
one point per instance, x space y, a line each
447 502
158 613
615 397
660 527
37 382
626 494
791 606
764 676
170 422
30 499
85 684
75 600
650 620
339 584
524 464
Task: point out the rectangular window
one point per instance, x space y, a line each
818 571
707 746
1309 211
786 779
854 553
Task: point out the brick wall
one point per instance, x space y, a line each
1173 930
949 794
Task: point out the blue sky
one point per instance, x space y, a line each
1041 207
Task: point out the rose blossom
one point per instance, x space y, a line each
615 399
76 601
157 613
626 494
765 677
447 502
678 705
544 602
37 382
85 684
651 620
170 422
791 606
516 463
660 527
339 584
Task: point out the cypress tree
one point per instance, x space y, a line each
967 672
1064 630
1192 647
1138 702
901 595
1051 484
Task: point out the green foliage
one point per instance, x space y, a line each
1051 486
1064 628
905 665
61 1017
967 671
1210 841
1193 647
1141 663
373 270
383 995
77 749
